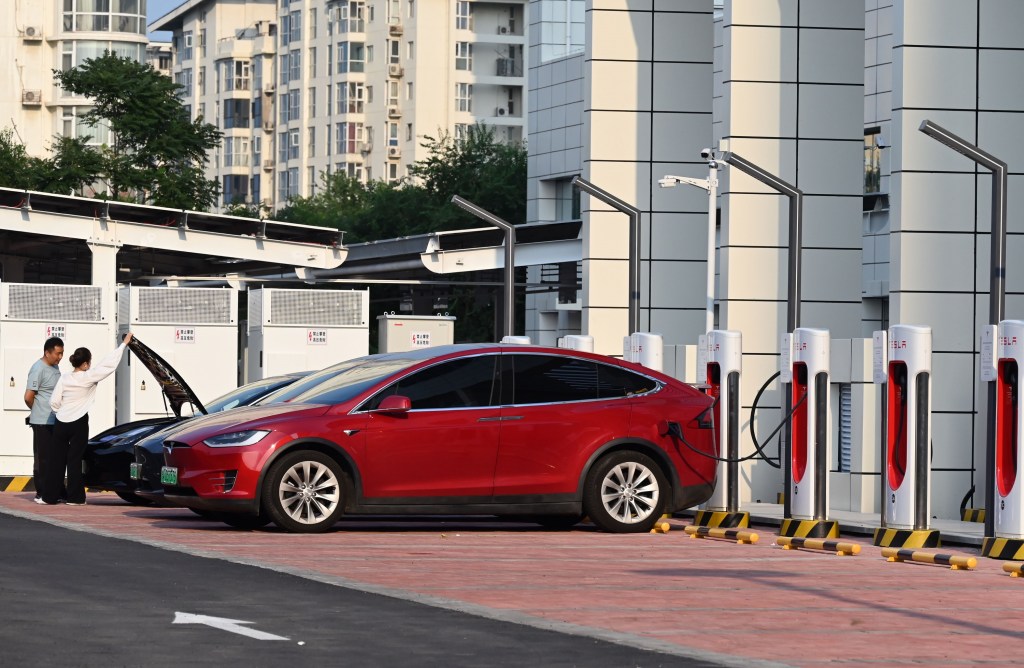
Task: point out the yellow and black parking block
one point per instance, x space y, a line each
809 528
907 538
972 515
1002 548
955 562
18 483
720 518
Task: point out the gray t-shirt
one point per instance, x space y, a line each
42 377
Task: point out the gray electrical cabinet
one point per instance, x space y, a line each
398 333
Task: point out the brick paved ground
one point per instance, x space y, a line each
748 601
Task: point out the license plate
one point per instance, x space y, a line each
134 471
168 475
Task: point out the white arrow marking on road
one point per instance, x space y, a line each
224 624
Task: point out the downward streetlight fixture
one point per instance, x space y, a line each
634 244
709 184
510 256
997 280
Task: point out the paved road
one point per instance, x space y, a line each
79 599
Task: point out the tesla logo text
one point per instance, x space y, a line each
316 337
896 345
801 345
1007 340
185 335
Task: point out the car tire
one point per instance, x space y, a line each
303 492
625 492
134 499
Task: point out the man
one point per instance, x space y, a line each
42 377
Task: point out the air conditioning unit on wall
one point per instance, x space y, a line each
31 98
500 111
394 152
395 70
32 33
394 112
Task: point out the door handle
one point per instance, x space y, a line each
489 419
499 419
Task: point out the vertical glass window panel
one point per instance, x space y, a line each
312 62
357 56
394 15
408 90
282 67
293 144
311 179
342 97
257 73
342 57
394 53
408 132
542 379
311 142
872 163
412 8
294 102
463 15
312 102
285 35
202 81
464 97
393 92
295 66
392 134
410 51
339 138
311 28
186 52
296 26
282 108
257 149
282 147
464 56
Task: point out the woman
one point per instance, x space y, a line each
73 396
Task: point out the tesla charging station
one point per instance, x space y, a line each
301 330
29 314
644 348
811 434
195 330
720 358
903 363
1009 500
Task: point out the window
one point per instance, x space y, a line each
185 81
296 26
408 90
312 23
350 98
393 91
295 66
410 51
461 383
541 379
872 161
312 102
567 200
311 180
282 146
282 107
201 81
347 137
202 43
283 69
186 52
412 8
392 134
394 53
394 15
235 74
464 97
463 15
464 56
236 114
350 17
236 152
102 15
351 56
408 132
311 142
294 110
392 171
312 61
257 147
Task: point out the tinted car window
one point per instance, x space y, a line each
305 384
349 383
243 396
460 383
542 379
614 381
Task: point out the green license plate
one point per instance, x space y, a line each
134 471
168 475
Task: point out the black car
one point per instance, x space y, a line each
148 447
109 455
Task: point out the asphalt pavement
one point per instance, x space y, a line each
74 598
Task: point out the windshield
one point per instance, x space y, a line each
348 385
289 392
245 395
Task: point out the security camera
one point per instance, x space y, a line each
880 142
705 153
667 182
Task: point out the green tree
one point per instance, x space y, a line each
17 168
158 152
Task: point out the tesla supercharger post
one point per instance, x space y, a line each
903 362
1008 542
644 348
722 363
811 436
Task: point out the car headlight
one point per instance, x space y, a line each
236 439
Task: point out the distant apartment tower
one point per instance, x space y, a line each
302 88
38 36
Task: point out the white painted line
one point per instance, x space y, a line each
224 624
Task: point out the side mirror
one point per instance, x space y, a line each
394 404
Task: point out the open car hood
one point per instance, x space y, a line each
175 389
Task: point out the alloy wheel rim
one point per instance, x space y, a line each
630 492
309 492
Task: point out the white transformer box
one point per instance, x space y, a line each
195 330
398 333
30 314
305 330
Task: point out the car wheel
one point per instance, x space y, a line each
303 492
625 493
134 499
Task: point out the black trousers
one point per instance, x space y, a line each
42 437
66 450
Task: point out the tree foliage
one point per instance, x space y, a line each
158 153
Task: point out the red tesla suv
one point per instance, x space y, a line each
485 429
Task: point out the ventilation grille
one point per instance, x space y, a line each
342 308
184 305
62 303
255 314
845 426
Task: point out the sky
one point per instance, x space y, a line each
157 8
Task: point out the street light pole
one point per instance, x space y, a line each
997 281
710 185
796 208
634 244
510 256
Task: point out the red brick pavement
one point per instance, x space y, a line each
801 608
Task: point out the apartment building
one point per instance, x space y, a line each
39 36
303 88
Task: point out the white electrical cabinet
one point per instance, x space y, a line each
398 333
303 330
30 314
195 330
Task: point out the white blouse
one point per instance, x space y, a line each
75 392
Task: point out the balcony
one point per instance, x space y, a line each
508 67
